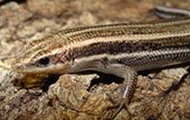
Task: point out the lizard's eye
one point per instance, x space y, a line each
44 61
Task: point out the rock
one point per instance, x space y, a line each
13 14
47 8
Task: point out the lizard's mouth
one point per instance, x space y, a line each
51 68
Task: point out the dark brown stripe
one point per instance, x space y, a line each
118 47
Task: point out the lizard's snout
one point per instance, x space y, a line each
5 63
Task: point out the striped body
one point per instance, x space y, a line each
142 46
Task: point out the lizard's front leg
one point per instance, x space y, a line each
124 71
127 88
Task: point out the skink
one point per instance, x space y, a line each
118 49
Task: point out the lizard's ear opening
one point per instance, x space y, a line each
43 61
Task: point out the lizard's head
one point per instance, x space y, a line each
41 57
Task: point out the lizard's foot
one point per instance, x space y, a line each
118 104
117 107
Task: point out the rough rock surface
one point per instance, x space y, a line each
84 96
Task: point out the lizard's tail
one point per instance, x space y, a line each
169 13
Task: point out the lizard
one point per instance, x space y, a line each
121 49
